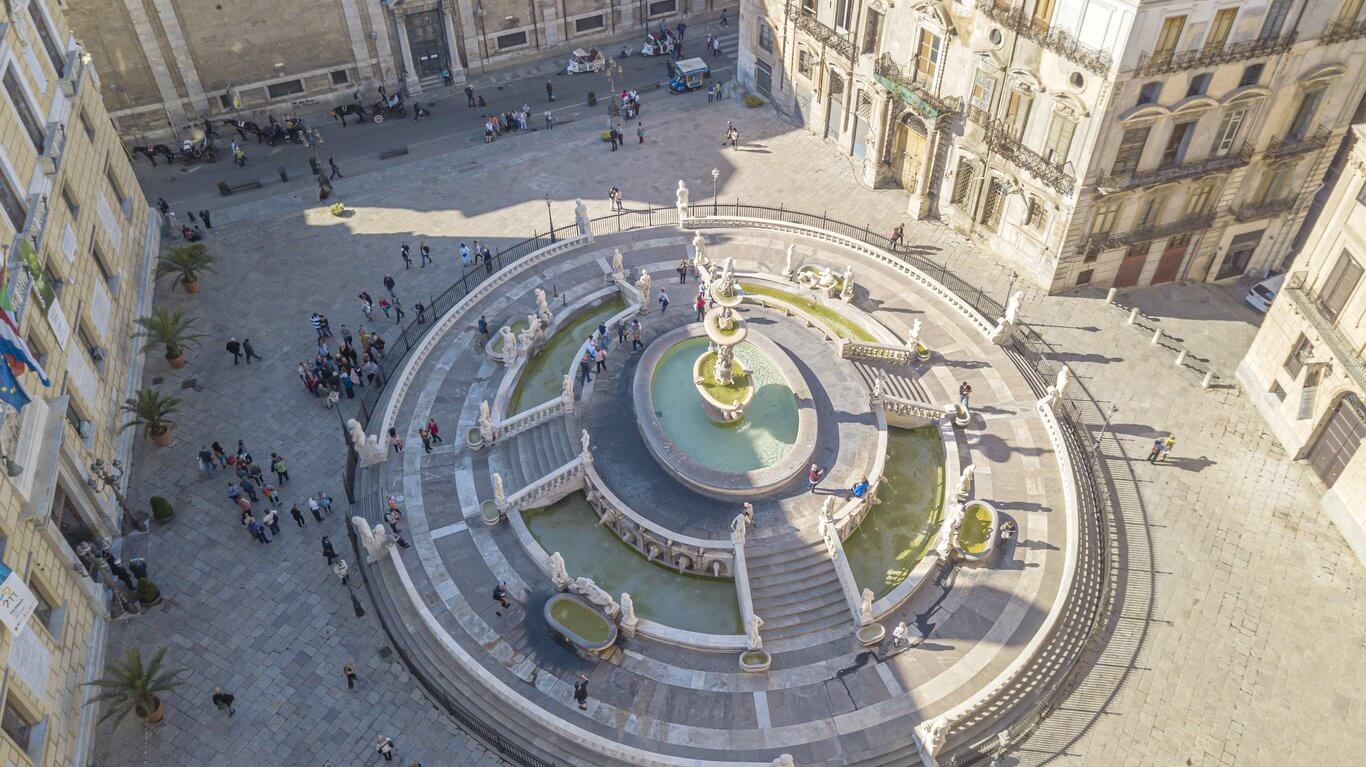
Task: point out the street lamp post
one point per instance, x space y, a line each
108 477
1105 428
1014 275
715 177
551 217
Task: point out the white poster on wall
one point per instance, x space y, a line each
31 661
17 603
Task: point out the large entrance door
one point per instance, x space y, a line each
427 39
1132 266
1339 440
834 107
1239 254
908 153
1170 263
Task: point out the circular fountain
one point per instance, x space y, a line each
723 382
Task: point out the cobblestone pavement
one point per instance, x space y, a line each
1247 616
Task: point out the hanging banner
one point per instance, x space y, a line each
17 603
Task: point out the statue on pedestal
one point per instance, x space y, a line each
643 286
723 369
738 526
596 596
509 345
784 760
485 421
788 268
965 481
368 448
581 218
865 607
948 532
681 195
500 498
930 736
567 389
1005 326
752 625
618 265
847 284
543 309
559 577
583 444
629 620
879 386
699 247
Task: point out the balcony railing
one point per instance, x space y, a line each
1287 146
1107 241
1003 142
1054 39
1166 61
51 158
75 67
1344 352
913 93
807 22
1340 31
1216 164
1255 210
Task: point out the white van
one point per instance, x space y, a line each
1263 293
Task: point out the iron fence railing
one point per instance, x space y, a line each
1191 169
1002 140
1097 243
1080 419
807 22
1055 39
1341 31
929 105
1287 146
1162 62
1255 210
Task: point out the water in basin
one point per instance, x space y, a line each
976 529
584 621
543 378
767 431
661 595
895 535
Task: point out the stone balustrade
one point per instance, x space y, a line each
548 489
528 418
874 352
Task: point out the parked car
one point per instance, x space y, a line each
1263 293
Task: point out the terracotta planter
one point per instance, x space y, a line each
156 714
161 440
191 286
177 362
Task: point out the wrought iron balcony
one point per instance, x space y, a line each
1215 164
1343 350
1255 210
1107 241
1287 146
1054 39
51 158
807 22
919 97
1003 142
1166 61
1340 31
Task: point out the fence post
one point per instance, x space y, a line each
1133 315
1207 380
1181 358
650 215
403 331
1157 336
824 215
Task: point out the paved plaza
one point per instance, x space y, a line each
1237 633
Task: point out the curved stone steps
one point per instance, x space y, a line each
898 383
524 458
795 588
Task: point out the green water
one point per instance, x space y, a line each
842 327
664 596
587 623
765 434
894 536
518 327
976 527
543 378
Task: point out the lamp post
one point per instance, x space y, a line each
612 69
108 477
1103 429
1014 275
715 177
551 217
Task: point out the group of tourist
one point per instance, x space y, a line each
593 354
329 374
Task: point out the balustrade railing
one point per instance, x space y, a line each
51 158
1163 62
1256 210
865 350
928 104
1058 40
807 22
1001 140
1341 31
1162 175
549 488
1191 223
527 419
1344 351
1288 146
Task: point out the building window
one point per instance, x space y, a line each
21 727
1361 195
765 37
1220 28
286 88
340 77
72 207
872 32
1130 150
1301 354
1148 93
9 199
962 183
1277 391
1339 285
763 77
1106 215
1152 210
1199 199
48 612
844 13
54 51
589 23
1084 277
1304 116
991 213
111 278
1168 38
513 40
1177 144
1060 132
927 58
1017 112
983 88
19 100
1199 85
1036 214
657 8
1273 181
36 346
1228 130
1349 11
804 65
1043 14
1138 250
1252 74
1274 19
125 204
225 101
84 122
94 349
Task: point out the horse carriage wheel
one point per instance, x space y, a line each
378 118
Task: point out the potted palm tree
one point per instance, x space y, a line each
152 409
172 329
132 687
186 262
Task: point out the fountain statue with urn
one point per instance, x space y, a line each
724 384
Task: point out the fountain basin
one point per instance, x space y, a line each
494 346
871 634
577 621
755 661
977 535
755 456
722 403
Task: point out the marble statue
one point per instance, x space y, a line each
749 512
865 607
1064 378
1006 325
830 535
1013 307
723 369
500 498
543 309
509 345
1050 398
628 615
878 386
752 632
947 543
737 528
915 333
595 595
643 285
788 268
485 421
819 278
699 248
618 264
374 544
368 448
847 287
828 509
681 195
784 760
581 218
931 734
559 577
567 389
965 481
583 444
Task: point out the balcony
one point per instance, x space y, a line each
51 158
807 22
75 67
1252 211
919 98
1161 63
1054 39
1001 141
1288 146
1192 223
1170 173
1307 304
1341 31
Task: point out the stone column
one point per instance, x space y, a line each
919 205
452 47
877 136
409 66
387 71
360 51
161 73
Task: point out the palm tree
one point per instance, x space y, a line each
187 261
153 410
129 686
172 329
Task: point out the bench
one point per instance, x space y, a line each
390 154
225 190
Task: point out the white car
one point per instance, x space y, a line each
1263 293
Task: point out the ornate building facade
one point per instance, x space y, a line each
171 63
1084 142
78 246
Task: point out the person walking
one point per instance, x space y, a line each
1167 445
389 283
469 96
500 595
434 430
964 394
581 692
315 508
271 519
336 169
224 701
249 487
635 336
340 570
298 515
258 531
397 306
349 671
483 326
585 369
898 236
395 441
235 349
550 90
813 477
329 553
723 21
549 120
219 454
206 461
663 301
204 216
612 134
426 254
640 133
392 517
701 306
716 48
621 333
682 271
464 255
239 156
426 438
385 747
404 253
249 351
600 359
277 465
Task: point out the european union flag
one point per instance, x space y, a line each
11 393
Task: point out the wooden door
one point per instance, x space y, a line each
1339 440
1169 265
910 152
1132 266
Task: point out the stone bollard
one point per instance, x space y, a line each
1207 380
1133 315
1181 358
1110 296
1157 336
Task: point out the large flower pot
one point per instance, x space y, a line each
161 440
155 714
191 286
177 362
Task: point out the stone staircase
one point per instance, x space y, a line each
795 588
897 385
524 458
